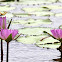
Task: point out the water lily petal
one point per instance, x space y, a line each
60 33
14 33
54 32
7 34
1 19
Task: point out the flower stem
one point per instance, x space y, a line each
61 50
9 24
17 36
7 51
49 34
1 51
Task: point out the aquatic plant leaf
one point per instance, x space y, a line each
32 22
34 9
5 8
60 0
34 31
49 43
42 13
8 15
30 39
58 14
48 40
52 6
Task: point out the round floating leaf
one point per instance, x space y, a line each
32 22
8 15
30 39
49 43
6 8
59 14
21 14
42 13
52 0
47 40
52 6
34 9
37 1
33 2
60 0
34 31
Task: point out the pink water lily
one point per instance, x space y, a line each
7 34
2 22
57 33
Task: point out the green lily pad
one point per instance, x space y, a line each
22 14
34 9
60 0
49 43
52 6
52 0
47 40
42 13
30 39
8 15
33 2
37 1
37 22
32 22
59 14
34 31
36 40
6 8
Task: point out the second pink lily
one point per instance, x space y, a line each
57 33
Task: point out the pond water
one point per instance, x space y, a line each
31 18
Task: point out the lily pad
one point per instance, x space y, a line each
30 39
6 8
34 31
59 14
49 43
52 6
32 22
47 40
33 2
42 13
34 9
37 22
8 15
22 14
60 0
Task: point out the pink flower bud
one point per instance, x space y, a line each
2 22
